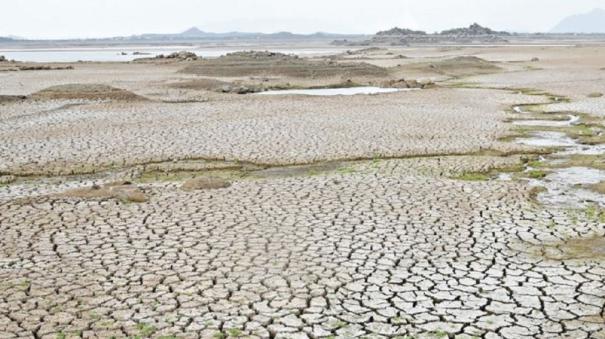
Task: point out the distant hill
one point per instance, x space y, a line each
5 39
196 33
193 31
592 22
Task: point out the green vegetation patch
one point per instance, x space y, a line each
536 174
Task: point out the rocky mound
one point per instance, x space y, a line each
182 55
472 30
400 31
402 83
176 56
278 64
85 92
260 55
475 33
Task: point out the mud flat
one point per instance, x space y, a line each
141 200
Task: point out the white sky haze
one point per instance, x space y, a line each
104 18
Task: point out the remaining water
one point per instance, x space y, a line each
548 139
563 187
573 120
127 53
336 91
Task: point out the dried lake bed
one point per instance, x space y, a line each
144 199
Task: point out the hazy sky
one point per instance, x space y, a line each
101 18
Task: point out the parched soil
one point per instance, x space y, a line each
85 92
377 216
276 64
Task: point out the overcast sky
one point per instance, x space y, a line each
102 18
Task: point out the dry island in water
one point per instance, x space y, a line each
458 191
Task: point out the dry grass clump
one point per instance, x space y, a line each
204 183
123 191
595 95
86 92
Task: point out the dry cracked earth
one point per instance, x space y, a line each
379 238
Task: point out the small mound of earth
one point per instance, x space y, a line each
123 191
86 92
462 65
278 64
467 62
205 183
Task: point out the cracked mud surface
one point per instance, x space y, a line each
261 130
381 251
377 248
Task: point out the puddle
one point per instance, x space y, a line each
563 187
580 149
337 91
559 139
548 139
505 177
573 120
